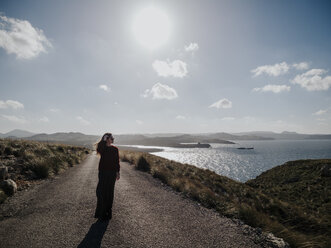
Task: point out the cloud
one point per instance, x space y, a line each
21 38
54 110
228 118
223 103
301 66
273 88
82 120
139 122
104 87
11 104
176 68
321 112
271 70
13 118
180 117
44 119
161 91
192 47
312 80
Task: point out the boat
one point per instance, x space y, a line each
245 148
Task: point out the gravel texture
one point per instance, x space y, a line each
59 213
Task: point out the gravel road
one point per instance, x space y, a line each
59 213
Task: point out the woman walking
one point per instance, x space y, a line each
109 172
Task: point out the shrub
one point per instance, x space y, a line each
41 170
142 164
3 196
55 163
60 148
8 151
42 152
16 153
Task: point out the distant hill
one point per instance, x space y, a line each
286 135
228 136
173 141
18 133
72 138
75 138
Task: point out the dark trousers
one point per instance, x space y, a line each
105 194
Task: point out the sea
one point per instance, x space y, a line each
246 164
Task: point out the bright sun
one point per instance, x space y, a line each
151 27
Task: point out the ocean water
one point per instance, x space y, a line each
243 165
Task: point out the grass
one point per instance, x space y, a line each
28 161
3 196
301 219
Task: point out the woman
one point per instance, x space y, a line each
109 172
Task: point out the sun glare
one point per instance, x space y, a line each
151 27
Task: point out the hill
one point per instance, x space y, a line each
17 133
285 135
305 184
72 138
257 201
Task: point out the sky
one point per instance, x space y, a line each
165 66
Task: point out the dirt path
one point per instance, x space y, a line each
59 213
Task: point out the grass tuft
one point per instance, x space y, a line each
142 164
3 196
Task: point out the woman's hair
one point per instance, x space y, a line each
102 143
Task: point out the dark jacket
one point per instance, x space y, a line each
109 159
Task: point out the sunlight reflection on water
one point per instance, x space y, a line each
243 165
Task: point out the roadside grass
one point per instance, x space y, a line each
28 161
3 196
256 207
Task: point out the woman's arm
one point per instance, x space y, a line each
118 167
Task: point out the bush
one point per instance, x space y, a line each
142 164
3 196
60 148
55 163
41 170
8 151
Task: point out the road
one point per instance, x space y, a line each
59 213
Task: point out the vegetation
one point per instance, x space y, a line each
262 202
28 161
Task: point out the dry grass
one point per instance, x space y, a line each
234 199
28 161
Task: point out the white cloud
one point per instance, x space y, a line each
228 118
180 117
223 103
192 47
82 120
312 80
301 66
176 68
44 119
321 112
271 70
11 104
54 110
104 87
139 122
13 118
21 38
273 88
161 91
